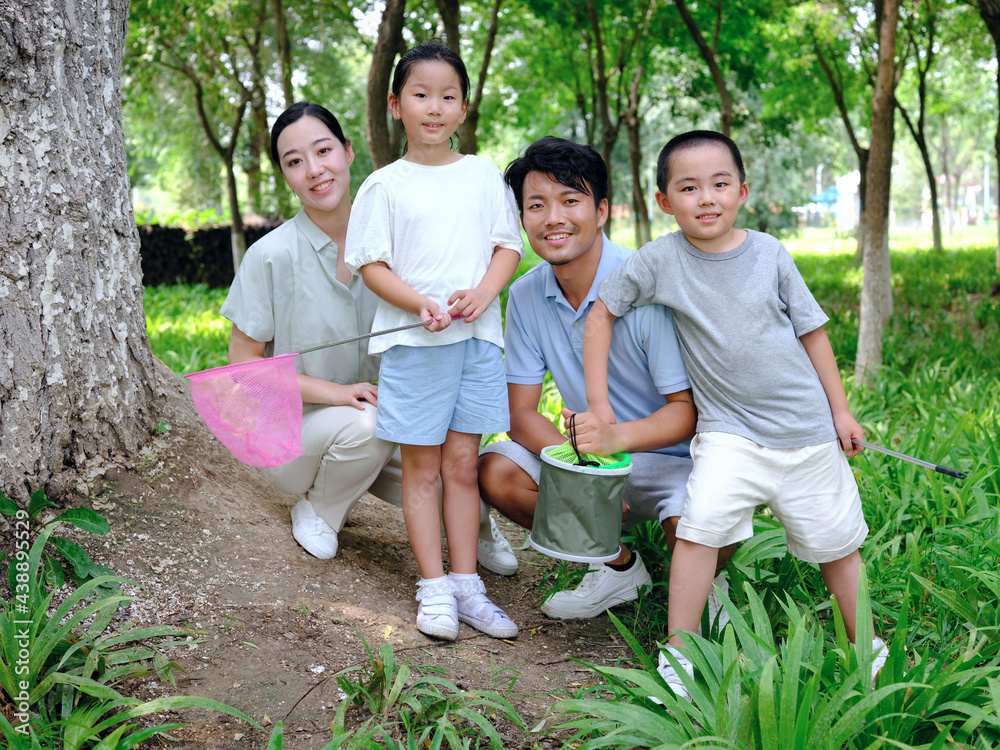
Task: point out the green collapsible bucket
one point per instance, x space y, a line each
579 513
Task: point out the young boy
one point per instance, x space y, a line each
772 412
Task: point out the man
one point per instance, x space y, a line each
561 192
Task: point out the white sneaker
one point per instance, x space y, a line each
880 652
603 587
437 614
496 554
715 608
315 535
486 617
669 674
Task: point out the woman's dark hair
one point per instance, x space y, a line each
692 139
570 164
295 113
429 52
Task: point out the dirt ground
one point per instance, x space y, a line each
210 542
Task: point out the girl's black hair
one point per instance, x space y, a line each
295 113
432 51
429 52
570 164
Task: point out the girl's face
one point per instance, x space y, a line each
315 164
430 105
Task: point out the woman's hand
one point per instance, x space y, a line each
354 394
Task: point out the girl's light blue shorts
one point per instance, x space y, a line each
424 391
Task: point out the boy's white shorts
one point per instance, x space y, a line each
810 490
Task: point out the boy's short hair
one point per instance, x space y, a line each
570 164
689 140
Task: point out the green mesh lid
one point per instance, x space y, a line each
567 455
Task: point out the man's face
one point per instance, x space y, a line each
562 223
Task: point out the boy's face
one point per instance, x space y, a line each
704 193
562 223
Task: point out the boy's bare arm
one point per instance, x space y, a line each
471 303
817 346
596 347
383 282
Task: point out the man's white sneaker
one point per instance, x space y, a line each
496 554
603 587
486 617
315 535
715 608
437 614
880 652
669 674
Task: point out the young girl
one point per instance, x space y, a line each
436 236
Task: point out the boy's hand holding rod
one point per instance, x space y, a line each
911 459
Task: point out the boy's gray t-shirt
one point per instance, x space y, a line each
738 315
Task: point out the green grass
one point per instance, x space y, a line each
931 557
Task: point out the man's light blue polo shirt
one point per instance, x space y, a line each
544 332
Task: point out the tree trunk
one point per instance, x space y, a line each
237 236
382 146
450 12
609 129
632 126
708 55
468 140
828 65
917 131
75 381
989 10
876 288
284 51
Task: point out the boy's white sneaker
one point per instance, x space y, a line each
715 607
315 535
880 652
669 674
601 588
496 554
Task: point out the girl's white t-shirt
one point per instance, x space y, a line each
436 228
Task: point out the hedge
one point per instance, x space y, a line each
175 256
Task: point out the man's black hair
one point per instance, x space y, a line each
571 164
689 140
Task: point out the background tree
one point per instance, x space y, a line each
989 10
75 386
876 287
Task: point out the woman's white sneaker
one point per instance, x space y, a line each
315 535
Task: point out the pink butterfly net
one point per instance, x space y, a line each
254 408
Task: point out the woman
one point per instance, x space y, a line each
293 291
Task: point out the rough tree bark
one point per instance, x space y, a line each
989 10
876 288
75 381
381 143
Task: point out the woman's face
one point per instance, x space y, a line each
315 164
